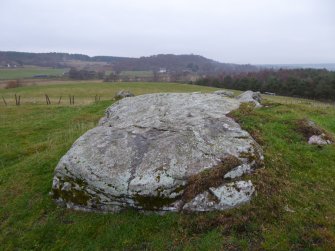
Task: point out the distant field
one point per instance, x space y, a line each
294 208
85 92
137 73
19 73
133 74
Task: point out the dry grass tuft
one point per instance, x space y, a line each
212 177
257 136
309 128
244 110
13 84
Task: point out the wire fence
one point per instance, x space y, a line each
18 100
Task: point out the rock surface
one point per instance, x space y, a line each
250 96
227 196
146 149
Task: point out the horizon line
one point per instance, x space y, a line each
183 54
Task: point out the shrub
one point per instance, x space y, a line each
13 84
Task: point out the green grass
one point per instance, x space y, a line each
19 73
85 92
296 175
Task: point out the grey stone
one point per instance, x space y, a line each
223 197
250 96
238 171
144 151
224 93
123 94
319 140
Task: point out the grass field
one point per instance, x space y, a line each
137 73
85 92
19 73
134 74
294 208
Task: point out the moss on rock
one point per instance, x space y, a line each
72 194
153 202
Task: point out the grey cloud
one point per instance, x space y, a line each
239 31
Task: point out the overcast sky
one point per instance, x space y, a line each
236 31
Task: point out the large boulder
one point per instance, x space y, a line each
160 152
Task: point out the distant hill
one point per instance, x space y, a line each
38 59
329 67
168 62
193 64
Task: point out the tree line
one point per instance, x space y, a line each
85 74
305 83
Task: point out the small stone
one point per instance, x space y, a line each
224 93
238 171
250 96
318 140
287 209
223 197
123 94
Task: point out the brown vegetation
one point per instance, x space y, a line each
309 128
244 109
212 177
13 84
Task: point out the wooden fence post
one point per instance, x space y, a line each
60 98
4 100
47 99
71 100
17 99
97 98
